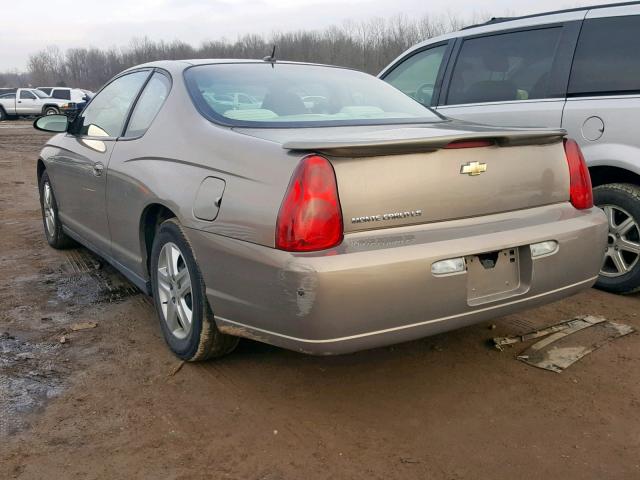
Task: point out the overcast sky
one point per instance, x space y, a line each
35 24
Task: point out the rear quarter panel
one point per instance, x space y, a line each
167 165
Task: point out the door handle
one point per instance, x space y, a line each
97 169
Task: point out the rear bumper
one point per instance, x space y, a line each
377 288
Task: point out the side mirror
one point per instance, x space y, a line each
52 123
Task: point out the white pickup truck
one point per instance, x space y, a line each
24 102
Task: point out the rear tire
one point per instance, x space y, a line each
621 268
3 115
180 299
51 221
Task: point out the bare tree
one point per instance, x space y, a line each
367 45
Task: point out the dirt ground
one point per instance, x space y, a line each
104 404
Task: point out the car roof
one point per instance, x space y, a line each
506 23
176 65
495 20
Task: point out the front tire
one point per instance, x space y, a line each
621 267
179 296
51 221
51 111
3 115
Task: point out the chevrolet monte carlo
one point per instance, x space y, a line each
313 207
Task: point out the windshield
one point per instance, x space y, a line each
291 95
40 93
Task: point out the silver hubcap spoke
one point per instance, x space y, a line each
49 212
623 247
174 290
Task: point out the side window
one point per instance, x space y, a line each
607 58
148 105
416 76
27 95
106 114
61 94
504 67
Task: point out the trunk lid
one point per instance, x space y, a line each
393 176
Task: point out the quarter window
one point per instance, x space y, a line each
148 105
607 58
106 114
416 76
504 67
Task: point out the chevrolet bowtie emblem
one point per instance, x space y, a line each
473 168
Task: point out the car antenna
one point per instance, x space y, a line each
271 58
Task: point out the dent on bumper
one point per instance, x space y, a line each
376 288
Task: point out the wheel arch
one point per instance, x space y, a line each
604 174
47 105
40 169
152 216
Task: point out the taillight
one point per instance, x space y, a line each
580 191
310 217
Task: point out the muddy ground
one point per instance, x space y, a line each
104 404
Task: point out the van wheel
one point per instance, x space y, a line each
179 296
621 267
50 219
51 111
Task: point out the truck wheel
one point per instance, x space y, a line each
3 116
52 225
51 111
621 267
179 296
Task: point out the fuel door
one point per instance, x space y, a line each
209 198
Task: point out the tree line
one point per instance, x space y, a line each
367 45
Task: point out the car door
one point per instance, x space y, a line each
126 194
27 103
511 77
419 74
79 168
603 105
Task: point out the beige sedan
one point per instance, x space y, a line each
313 207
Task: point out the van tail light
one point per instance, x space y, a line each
310 217
580 191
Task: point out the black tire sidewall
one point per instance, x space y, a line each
55 238
184 348
55 111
627 197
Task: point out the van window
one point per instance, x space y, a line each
504 67
607 58
416 76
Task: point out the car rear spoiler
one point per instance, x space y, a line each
380 145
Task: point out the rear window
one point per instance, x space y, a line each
291 95
504 67
607 58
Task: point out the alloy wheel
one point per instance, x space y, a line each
174 290
623 246
49 211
